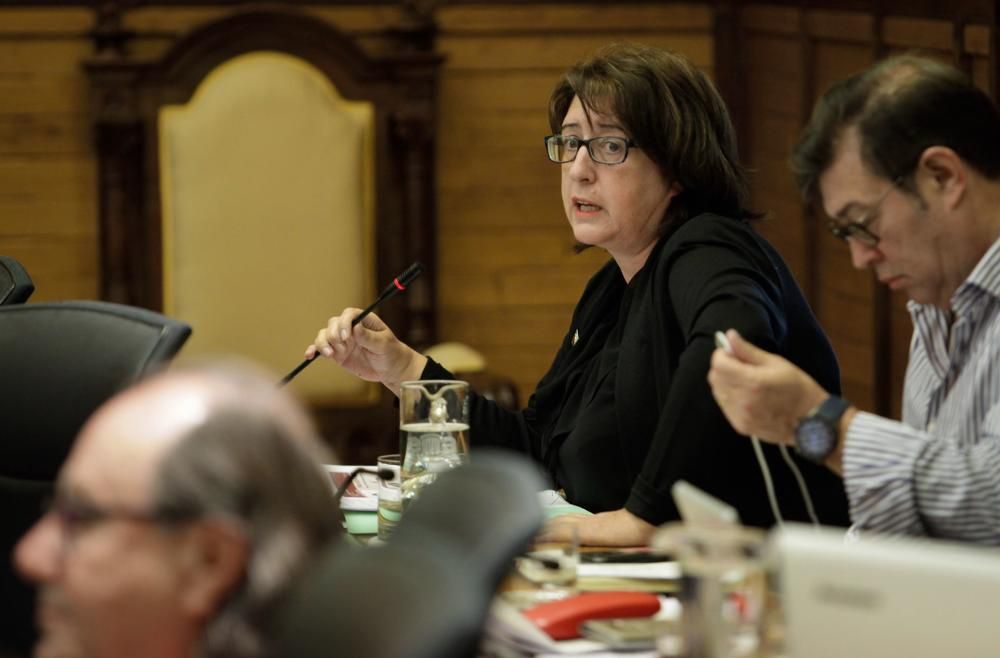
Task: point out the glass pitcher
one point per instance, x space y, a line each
433 431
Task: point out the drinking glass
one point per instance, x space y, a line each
553 566
389 496
433 432
724 588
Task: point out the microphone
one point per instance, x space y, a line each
397 286
382 473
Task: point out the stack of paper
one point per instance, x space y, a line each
628 576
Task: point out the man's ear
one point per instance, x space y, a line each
214 560
945 173
675 188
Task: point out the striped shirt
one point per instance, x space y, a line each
937 473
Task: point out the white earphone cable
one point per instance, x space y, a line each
768 483
802 484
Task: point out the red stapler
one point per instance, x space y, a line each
561 619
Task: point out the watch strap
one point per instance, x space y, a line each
831 410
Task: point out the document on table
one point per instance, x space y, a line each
667 570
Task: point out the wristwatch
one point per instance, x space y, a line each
817 433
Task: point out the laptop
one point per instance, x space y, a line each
880 597
700 508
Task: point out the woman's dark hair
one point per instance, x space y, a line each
675 115
901 106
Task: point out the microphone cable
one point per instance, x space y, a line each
383 473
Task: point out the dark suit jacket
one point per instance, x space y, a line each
711 273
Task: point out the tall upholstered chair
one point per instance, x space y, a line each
15 284
427 592
269 154
60 362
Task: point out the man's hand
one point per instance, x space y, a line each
617 528
761 394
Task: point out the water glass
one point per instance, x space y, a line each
724 588
389 496
552 565
433 431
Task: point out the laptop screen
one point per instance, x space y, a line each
886 596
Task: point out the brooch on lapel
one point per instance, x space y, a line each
576 336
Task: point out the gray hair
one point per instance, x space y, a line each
254 461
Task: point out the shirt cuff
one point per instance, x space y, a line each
879 460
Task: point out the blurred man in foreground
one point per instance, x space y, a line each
905 159
184 509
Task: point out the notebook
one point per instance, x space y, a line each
885 596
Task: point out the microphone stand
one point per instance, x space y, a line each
384 474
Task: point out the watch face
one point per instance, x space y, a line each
814 438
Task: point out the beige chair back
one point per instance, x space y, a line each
267 180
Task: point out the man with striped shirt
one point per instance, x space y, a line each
905 160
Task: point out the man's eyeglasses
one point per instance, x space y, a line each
858 229
75 514
603 150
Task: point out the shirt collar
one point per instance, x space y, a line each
983 280
986 274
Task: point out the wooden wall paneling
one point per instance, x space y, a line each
775 126
560 17
47 174
130 258
65 265
731 77
855 374
506 52
772 52
902 32
992 56
981 73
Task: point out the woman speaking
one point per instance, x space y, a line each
650 174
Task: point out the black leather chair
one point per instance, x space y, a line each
60 361
482 514
15 284
427 592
